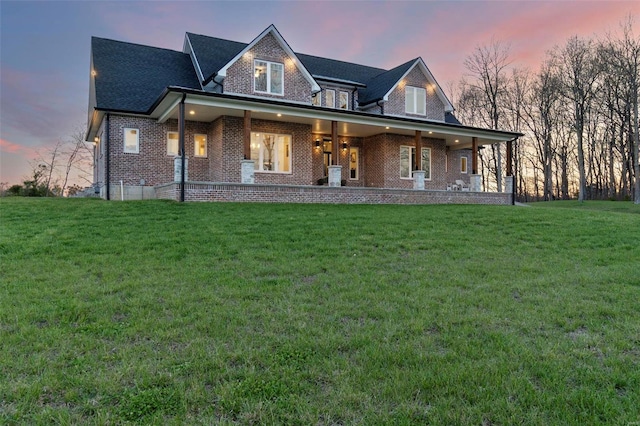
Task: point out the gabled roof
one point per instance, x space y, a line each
379 86
212 53
392 78
271 29
130 77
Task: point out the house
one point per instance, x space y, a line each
260 122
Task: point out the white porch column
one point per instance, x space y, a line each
335 175
418 179
247 170
475 183
508 184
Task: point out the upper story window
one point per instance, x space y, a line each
316 100
172 143
331 98
344 100
415 99
268 77
131 141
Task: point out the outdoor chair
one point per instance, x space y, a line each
462 186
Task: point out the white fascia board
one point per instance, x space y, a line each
335 115
167 113
285 46
448 107
188 48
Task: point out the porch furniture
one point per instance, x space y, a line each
461 185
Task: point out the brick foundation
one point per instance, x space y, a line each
236 192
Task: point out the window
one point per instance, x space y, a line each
415 99
408 162
463 165
200 145
316 100
271 153
344 100
172 143
354 159
131 141
331 98
269 77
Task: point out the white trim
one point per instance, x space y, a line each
195 146
124 140
356 150
340 92
165 116
425 70
173 154
271 29
268 74
194 59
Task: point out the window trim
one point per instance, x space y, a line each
124 140
340 93
327 104
415 90
464 170
268 91
412 161
354 150
290 154
177 144
195 146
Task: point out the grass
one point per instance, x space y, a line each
164 313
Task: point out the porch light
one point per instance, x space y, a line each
96 139
192 112
387 127
430 133
279 115
457 141
317 143
93 73
344 145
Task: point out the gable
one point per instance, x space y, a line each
432 84
270 43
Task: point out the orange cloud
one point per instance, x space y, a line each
14 148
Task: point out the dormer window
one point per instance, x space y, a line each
415 99
268 77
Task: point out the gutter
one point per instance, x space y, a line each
108 150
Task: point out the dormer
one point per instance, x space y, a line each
408 90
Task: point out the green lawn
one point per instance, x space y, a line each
166 313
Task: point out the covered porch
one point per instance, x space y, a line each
340 148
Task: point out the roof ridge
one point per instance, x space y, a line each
137 44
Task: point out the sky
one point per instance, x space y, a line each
45 45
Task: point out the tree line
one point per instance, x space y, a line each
56 171
578 112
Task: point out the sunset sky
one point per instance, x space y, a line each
44 46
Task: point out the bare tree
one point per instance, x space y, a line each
487 67
579 74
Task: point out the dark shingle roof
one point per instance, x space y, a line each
130 77
451 119
378 86
213 53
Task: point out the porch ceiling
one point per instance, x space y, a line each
205 108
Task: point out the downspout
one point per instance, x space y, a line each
381 107
182 153
108 149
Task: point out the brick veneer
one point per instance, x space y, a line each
415 78
240 75
236 192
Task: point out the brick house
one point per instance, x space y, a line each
260 122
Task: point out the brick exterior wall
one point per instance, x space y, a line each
322 194
453 166
396 103
240 75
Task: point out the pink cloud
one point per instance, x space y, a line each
15 148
